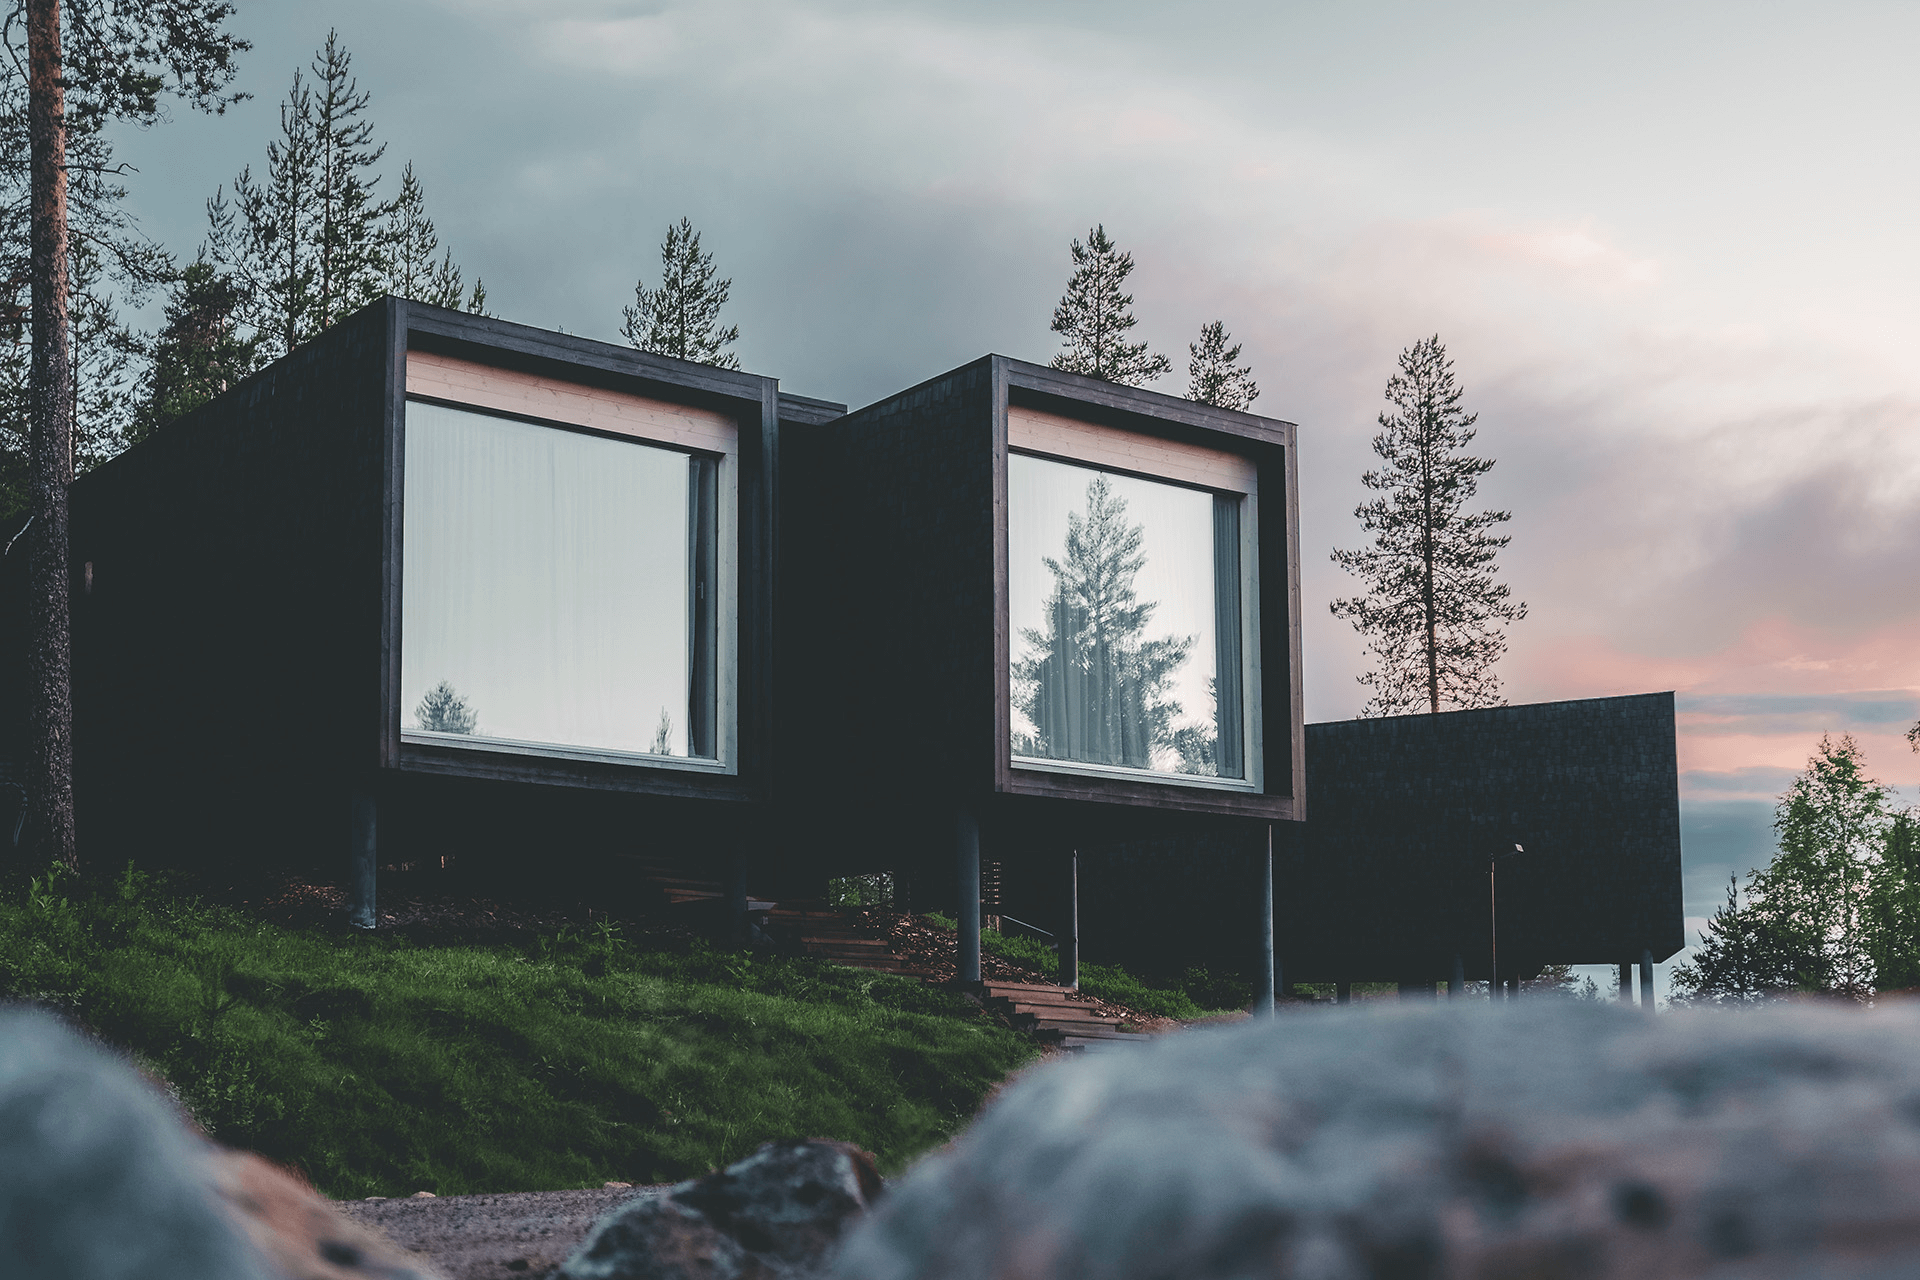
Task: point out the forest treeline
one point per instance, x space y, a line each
320 227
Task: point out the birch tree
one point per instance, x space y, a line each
1815 917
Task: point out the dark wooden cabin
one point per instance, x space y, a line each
1042 611
435 583
1388 878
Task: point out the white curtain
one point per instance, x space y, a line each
545 581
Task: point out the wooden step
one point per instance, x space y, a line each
1090 1033
1041 1000
1080 1025
1101 1044
1048 1010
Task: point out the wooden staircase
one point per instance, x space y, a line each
1051 1014
1057 1015
836 935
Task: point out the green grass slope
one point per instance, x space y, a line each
378 1066
1195 994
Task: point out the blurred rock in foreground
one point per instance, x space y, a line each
1548 1140
101 1180
778 1213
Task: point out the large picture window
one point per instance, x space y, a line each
1126 610
559 589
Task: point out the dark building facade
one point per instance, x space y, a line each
1387 878
431 582
436 584
1047 610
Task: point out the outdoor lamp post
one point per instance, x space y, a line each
1493 915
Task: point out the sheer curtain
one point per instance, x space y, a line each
546 583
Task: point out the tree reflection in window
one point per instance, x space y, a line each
443 710
1093 686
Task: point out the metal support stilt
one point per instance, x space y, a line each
1269 971
1646 979
1343 992
1625 994
737 900
1457 977
967 864
363 851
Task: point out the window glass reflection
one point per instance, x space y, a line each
547 576
1122 592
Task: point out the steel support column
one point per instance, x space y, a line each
1269 971
967 865
363 852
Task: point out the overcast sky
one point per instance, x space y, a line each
1673 251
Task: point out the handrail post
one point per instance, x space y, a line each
1070 940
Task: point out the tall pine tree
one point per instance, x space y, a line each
199 351
681 318
307 244
110 264
1094 317
1215 375
412 271
1432 613
86 63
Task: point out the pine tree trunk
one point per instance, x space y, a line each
1427 597
49 641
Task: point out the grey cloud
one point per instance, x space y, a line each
1798 713
882 224
1759 780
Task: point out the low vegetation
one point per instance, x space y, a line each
381 1066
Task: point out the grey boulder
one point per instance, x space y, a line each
778 1213
99 1180
1550 1140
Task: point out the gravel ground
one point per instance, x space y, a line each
521 1236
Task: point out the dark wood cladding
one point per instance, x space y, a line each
237 662
1391 868
227 662
896 542
1387 878
889 530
